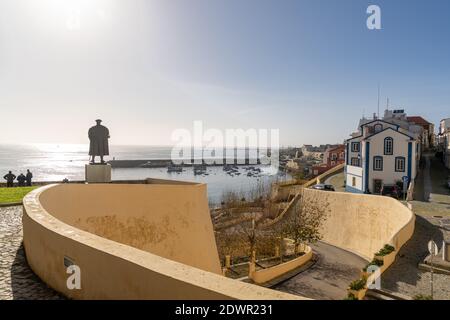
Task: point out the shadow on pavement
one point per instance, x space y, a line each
405 268
25 284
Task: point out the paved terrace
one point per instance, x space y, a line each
329 277
431 206
17 281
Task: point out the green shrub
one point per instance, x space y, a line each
422 297
387 249
358 284
374 262
350 297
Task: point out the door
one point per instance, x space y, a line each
377 184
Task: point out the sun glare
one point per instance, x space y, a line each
71 14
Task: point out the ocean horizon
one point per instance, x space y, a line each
55 162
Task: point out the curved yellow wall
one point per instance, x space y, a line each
265 275
171 221
363 224
130 242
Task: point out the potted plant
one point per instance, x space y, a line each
358 288
386 254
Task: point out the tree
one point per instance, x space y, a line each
303 223
250 235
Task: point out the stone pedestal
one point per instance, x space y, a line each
98 173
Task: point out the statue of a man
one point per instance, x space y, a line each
98 136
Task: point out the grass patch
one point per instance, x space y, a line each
16 194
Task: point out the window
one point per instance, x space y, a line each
342 155
388 146
355 162
378 163
333 156
353 182
378 127
355 146
400 164
333 163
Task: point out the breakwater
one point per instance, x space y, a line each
161 163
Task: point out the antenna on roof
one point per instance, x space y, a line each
378 106
387 104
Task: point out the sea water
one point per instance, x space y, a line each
53 162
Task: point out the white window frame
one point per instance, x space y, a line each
353 163
377 163
388 146
398 161
355 146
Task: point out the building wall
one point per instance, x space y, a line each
351 154
334 156
444 126
354 174
447 149
371 144
388 175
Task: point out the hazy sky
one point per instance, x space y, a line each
308 68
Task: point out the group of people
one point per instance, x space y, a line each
22 179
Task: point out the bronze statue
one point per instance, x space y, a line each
98 136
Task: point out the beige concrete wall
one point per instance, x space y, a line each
265 275
359 223
171 221
363 224
113 270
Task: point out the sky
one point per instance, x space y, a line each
309 68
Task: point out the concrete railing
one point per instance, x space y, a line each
268 274
130 242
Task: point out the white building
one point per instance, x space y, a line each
382 152
444 141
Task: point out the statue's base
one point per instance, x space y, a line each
98 173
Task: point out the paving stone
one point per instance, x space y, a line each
17 280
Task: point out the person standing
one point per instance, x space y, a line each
21 180
9 177
29 176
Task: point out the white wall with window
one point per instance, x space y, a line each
353 180
389 156
353 150
378 163
386 159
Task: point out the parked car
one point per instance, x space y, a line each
391 190
323 187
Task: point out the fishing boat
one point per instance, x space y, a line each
174 168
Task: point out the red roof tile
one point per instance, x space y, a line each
418 120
